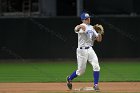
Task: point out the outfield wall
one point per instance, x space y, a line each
50 38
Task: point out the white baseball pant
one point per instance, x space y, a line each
84 55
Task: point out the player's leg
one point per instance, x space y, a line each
93 59
81 62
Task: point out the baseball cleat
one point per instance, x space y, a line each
69 83
96 88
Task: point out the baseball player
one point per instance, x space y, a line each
86 37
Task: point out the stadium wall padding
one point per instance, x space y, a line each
54 38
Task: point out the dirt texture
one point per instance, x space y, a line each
105 87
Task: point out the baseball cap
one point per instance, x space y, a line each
84 16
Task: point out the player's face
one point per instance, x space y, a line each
88 20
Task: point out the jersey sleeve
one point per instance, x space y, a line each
80 31
75 29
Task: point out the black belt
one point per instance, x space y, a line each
84 47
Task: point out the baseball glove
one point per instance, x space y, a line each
99 28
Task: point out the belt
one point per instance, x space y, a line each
84 47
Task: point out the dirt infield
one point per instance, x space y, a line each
61 87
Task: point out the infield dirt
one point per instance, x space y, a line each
105 87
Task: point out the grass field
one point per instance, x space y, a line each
56 71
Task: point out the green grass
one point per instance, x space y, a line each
56 71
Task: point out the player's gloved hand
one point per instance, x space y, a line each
99 28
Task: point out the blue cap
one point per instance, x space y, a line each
84 16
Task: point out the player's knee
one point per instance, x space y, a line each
96 68
80 72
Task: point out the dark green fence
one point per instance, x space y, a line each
52 38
